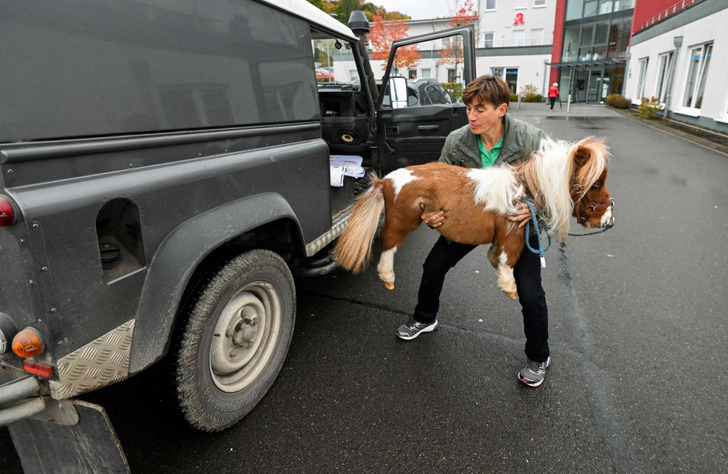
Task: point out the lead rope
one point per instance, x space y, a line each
540 251
609 225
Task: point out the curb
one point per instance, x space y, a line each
678 133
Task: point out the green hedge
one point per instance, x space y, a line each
455 89
650 107
618 101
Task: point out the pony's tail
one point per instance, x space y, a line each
353 251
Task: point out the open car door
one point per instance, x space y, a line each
412 130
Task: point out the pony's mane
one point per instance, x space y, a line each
497 188
548 173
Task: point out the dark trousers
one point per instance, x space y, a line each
553 101
444 255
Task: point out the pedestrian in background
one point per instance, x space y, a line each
553 94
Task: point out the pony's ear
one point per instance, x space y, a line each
585 149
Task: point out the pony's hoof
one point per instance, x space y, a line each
512 296
390 286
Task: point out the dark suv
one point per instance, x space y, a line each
165 170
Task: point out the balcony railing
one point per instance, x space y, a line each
667 12
518 42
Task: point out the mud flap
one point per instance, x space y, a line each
89 446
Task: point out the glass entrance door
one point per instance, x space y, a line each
579 86
594 87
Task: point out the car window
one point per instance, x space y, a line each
436 95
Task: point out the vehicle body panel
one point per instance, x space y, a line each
141 145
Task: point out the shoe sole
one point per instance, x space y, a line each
409 338
530 384
534 384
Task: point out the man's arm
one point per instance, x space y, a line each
432 219
445 153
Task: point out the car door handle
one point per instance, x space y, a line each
428 127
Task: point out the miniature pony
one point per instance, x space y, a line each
564 180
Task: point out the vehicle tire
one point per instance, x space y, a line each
235 340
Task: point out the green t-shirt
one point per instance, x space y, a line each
489 157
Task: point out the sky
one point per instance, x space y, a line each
419 9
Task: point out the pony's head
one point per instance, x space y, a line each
568 180
592 204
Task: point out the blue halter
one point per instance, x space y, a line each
540 251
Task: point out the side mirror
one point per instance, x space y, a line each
398 92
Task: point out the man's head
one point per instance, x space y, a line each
487 99
487 89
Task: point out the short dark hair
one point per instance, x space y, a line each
487 89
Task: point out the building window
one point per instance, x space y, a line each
619 35
539 3
509 75
452 76
489 5
520 4
641 79
426 72
512 79
596 41
537 36
518 37
590 8
620 5
697 74
571 44
488 39
574 9
665 61
605 6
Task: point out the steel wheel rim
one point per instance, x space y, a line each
245 336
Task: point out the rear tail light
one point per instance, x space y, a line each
27 343
7 214
37 368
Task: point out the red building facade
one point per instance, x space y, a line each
590 47
592 39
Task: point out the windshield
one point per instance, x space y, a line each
334 63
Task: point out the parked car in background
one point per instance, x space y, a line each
429 91
424 91
324 74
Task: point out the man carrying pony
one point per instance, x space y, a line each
491 138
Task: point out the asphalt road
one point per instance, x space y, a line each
637 330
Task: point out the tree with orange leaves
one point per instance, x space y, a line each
464 14
383 33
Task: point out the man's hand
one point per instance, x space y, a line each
522 215
433 219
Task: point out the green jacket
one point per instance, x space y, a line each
520 138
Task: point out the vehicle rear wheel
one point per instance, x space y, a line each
235 340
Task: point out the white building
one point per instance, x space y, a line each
514 40
683 61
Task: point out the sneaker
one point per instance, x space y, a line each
534 373
411 329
